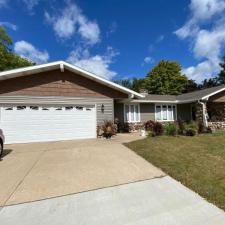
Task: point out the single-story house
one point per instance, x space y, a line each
60 101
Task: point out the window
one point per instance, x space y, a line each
34 107
58 108
9 108
79 108
21 107
132 113
45 109
165 112
68 107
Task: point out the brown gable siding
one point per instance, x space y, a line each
56 83
220 97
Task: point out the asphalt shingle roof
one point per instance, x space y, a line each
195 95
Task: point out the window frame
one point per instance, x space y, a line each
167 112
137 115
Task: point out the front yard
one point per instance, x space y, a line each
197 162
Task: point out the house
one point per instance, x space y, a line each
59 101
206 106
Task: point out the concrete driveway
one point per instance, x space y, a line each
159 201
31 172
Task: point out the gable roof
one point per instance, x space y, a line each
201 94
64 65
187 97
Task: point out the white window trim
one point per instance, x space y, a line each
161 105
124 110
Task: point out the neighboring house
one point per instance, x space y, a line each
59 101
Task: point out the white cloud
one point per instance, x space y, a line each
206 44
97 64
30 4
147 60
28 51
160 38
9 25
3 3
72 20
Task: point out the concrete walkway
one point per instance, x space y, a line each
159 201
36 171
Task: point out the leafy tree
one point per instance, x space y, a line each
125 83
137 84
166 78
208 83
133 84
191 86
8 59
221 75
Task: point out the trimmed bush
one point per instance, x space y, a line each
154 128
190 132
157 129
170 129
149 125
191 128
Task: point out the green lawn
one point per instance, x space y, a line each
197 162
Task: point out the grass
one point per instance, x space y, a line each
197 162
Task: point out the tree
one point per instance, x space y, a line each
134 84
191 86
208 83
125 83
221 75
166 78
8 59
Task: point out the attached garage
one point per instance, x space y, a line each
22 124
55 101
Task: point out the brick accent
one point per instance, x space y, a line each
56 83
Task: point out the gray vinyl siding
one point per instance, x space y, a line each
184 111
147 111
108 113
108 103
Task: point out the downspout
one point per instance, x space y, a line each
205 120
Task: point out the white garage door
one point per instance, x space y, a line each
22 124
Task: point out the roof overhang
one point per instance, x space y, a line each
158 101
213 93
62 66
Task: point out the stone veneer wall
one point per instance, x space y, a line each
199 112
217 125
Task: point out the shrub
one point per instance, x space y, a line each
191 128
149 125
190 132
157 129
193 125
123 127
170 129
109 129
181 127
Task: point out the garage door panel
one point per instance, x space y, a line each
43 123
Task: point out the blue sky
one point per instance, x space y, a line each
119 39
